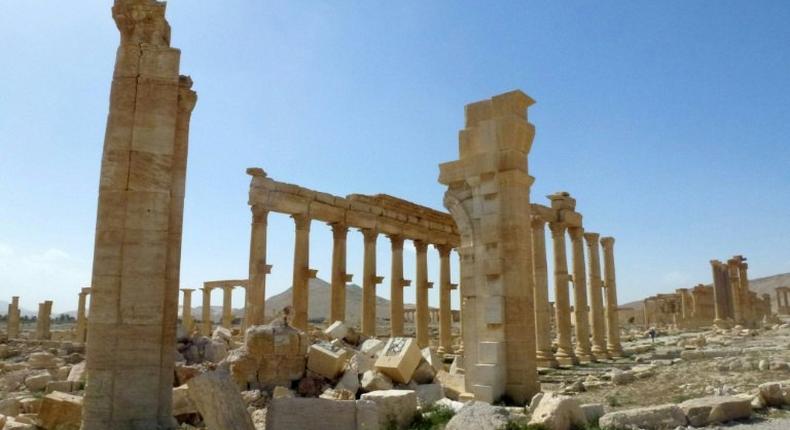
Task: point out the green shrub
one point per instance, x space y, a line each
432 418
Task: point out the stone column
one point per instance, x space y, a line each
735 290
337 293
613 345
396 286
82 321
43 320
597 320
719 297
227 306
301 271
13 318
255 293
543 347
445 311
421 275
206 312
369 283
565 354
583 351
186 311
134 301
747 307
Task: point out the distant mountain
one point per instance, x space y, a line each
24 312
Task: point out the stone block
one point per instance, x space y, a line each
428 394
182 404
716 409
650 418
373 380
424 374
372 348
453 384
218 400
433 359
367 415
60 411
38 381
10 407
326 360
775 394
338 330
42 360
395 408
479 416
399 359
300 413
62 386
77 373
558 412
592 411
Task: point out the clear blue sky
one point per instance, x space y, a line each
668 121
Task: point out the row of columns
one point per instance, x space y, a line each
732 296
782 300
226 319
601 323
434 316
44 316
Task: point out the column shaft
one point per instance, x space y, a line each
206 312
301 270
583 351
445 311
369 283
255 293
565 354
13 318
735 290
82 322
337 292
597 320
613 345
423 338
186 312
227 307
544 353
396 287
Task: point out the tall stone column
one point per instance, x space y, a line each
227 306
186 311
747 307
397 283
369 282
565 354
421 275
43 320
719 294
337 293
735 290
134 300
13 318
255 293
543 347
205 327
613 345
597 320
301 271
445 311
82 321
583 351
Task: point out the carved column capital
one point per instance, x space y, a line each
557 229
396 241
302 221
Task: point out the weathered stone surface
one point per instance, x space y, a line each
716 409
428 394
9 407
558 412
775 393
367 415
62 386
42 360
349 381
60 411
272 355
326 360
620 377
453 384
396 408
373 380
77 373
424 373
661 417
592 411
182 404
305 413
219 402
38 381
337 330
479 416
399 359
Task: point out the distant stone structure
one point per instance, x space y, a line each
227 287
44 321
13 318
81 332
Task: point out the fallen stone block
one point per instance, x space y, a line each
432 358
326 360
38 381
450 404
12 424
77 373
338 330
62 386
396 408
620 377
349 381
29 405
592 411
428 394
453 384
301 413
42 360
10 407
182 404
479 416
424 373
373 380
367 415
60 411
716 409
399 359
218 400
558 412
661 417
775 393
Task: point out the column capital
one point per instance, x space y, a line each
302 221
85 291
576 233
369 234
420 245
259 214
444 250
537 221
339 230
396 240
607 242
592 238
187 290
557 228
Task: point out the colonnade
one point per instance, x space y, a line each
44 318
226 320
734 302
782 300
13 318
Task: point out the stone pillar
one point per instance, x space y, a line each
301 271
337 293
543 347
205 327
421 275
488 197
255 293
735 290
43 320
396 287
82 321
445 311
747 307
134 300
613 346
13 318
719 295
369 283
583 351
227 306
565 354
597 320
186 311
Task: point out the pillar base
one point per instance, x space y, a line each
547 363
584 357
600 354
616 352
567 361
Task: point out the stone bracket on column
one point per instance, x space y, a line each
405 282
378 279
312 273
430 285
348 277
453 286
267 269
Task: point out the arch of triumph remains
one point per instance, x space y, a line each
492 224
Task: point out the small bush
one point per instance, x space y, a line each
432 418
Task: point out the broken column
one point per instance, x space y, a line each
613 346
337 292
396 286
562 316
301 269
255 293
544 353
597 321
82 321
445 317
134 301
186 311
421 276
488 197
583 352
13 318
43 321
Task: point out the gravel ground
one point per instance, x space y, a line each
777 424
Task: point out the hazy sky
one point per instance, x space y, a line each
668 121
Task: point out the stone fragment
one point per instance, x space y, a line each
558 412
372 348
182 404
9 407
333 394
12 424
373 380
396 408
716 409
432 358
367 415
424 373
620 377
592 411
399 359
453 384
775 394
62 386
77 373
660 417
60 411
326 360
282 393
428 394
338 330
307 413
219 402
479 416
349 381
38 381
42 360
184 373
450 404
215 351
